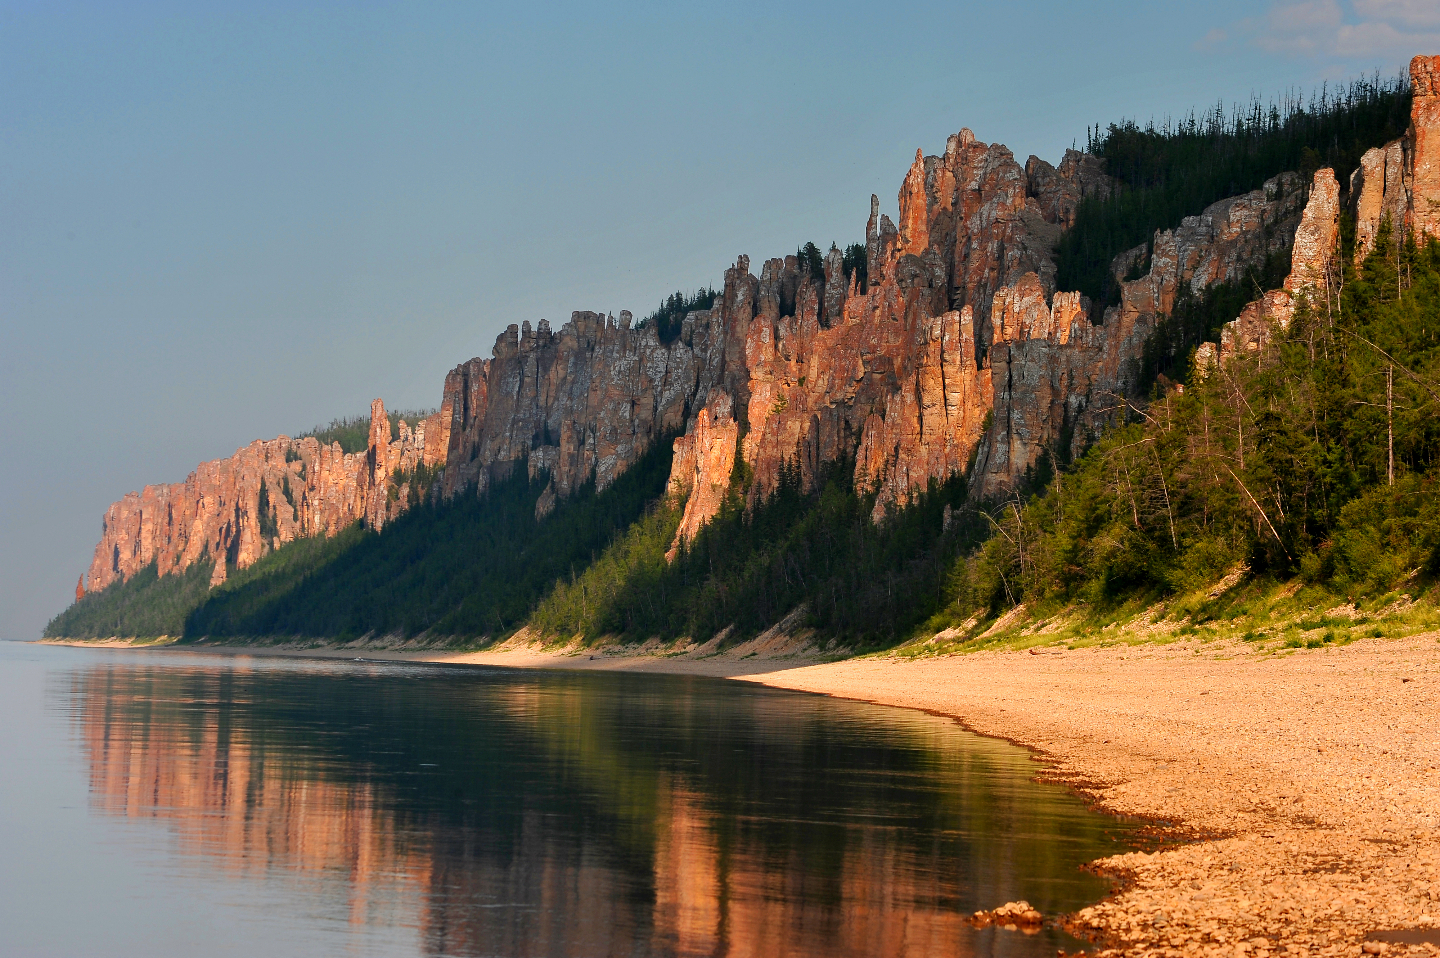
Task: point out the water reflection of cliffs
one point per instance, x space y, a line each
569 815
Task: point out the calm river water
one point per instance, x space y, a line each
164 804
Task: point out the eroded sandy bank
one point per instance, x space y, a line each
1311 778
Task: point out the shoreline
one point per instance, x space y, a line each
1305 785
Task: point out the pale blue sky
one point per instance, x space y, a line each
221 223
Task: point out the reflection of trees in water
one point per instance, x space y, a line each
533 813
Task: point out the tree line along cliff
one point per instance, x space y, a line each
954 355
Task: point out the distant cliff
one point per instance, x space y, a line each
955 352
237 509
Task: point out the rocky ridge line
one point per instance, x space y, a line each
310 489
958 352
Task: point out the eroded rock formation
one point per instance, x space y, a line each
1379 189
1401 180
956 352
220 510
1311 257
960 326
1058 379
700 472
1424 137
1059 190
586 401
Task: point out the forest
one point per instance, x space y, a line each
868 582
469 566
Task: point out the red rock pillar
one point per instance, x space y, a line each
1425 136
377 464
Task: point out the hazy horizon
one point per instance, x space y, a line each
223 226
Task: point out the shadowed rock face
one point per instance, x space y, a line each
1058 191
960 324
585 401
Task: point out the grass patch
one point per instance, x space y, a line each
1253 612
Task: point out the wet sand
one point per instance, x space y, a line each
1307 783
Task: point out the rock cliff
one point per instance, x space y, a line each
958 329
266 494
1401 180
1058 379
1311 257
960 347
586 401
956 351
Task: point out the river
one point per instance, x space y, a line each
166 803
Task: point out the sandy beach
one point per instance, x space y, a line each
1305 784
1312 780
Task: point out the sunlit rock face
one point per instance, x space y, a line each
956 352
1401 180
960 324
1398 183
1380 189
1059 379
308 489
892 374
704 460
1424 136
1312 254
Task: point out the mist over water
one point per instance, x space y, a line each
175 804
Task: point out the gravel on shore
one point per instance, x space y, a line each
1311 780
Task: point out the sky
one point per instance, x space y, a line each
220 223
